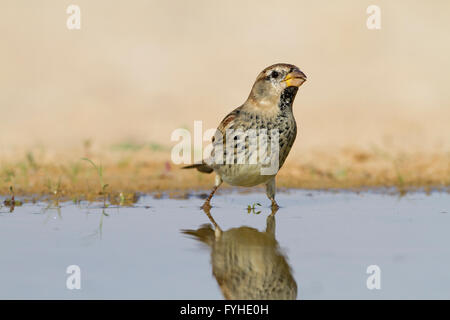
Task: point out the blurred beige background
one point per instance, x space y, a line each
139 69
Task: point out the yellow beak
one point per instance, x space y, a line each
295 78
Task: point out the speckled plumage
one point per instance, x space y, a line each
268 107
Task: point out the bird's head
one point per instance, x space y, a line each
272 82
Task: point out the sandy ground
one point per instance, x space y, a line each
374 111
129 173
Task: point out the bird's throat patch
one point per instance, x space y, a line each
287 97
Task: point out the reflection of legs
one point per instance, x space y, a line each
270 191
270 222
217 230
207 204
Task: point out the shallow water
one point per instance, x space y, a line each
317 246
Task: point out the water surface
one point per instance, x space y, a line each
317 246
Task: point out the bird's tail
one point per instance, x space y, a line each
202 167
204 234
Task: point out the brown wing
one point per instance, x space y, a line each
226 122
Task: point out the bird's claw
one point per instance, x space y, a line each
274 206
206 206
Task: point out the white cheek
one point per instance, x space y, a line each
275 83
279 86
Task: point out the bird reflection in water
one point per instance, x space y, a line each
247 263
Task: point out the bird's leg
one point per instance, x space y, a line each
270 192
207 205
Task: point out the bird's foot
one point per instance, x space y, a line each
275 206
206 206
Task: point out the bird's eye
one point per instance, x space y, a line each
275 74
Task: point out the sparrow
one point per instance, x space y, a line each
247 263
256 135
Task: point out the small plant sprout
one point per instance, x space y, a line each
12 203
100 176
251 208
